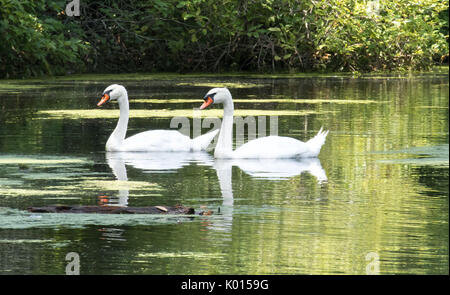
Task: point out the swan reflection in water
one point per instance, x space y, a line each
156 162
268 169
274 169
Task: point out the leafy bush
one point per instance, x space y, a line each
394 35
35 41
226 35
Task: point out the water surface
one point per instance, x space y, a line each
380 183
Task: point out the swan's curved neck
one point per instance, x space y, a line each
117 137
224 147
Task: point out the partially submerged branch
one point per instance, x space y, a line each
178 209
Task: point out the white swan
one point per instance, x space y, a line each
148 141
265 147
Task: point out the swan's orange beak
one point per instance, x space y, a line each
104 99
207 103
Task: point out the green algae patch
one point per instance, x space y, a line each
10 182
221 84
8 87
53 176
94 78
418 161
71 189
264 100
41 160
22 241
19 219
165 101
244 113
114 185
129 77
166 113
310 101
60 178
424 156
200 255
24 192
433 107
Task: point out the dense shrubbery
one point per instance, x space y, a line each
36 40
210 35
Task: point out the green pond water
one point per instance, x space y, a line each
380 183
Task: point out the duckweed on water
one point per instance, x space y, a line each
18 87
198 255
418 161
96 78
25 192
21 241
65 182
164 113
114 185
218 84
426 156
52 176
433 107
41 160
71 189
19 219
268 100
10 182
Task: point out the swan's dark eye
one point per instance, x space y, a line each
209 95
108 91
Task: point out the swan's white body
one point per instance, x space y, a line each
148 141
265 147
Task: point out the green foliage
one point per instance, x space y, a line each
393 35
226 35
35 40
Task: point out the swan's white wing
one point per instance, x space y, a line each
157 140
271 147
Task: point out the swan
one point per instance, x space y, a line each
148 141
264 147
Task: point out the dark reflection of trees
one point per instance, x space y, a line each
435 178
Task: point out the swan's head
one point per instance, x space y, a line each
112 92
216 95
